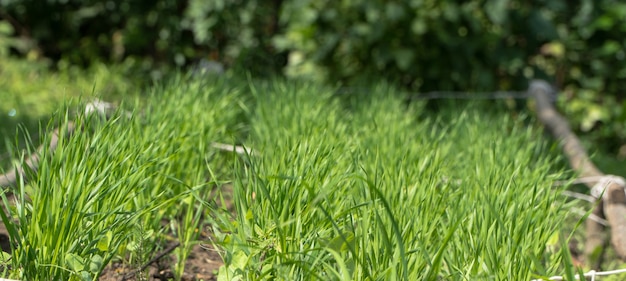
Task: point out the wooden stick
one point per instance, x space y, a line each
613 205
151 261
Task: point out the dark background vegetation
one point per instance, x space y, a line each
420 45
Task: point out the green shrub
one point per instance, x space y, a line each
157 32
425 45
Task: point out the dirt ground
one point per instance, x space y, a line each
202 264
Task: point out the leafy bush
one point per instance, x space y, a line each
592 71
102 30
424 45
238 33
165 31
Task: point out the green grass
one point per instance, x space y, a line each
30 94
360 188
83 207
373 190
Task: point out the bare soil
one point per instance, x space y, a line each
202 264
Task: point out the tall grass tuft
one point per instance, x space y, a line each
84 206
370 188
354 188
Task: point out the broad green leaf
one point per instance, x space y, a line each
225 273
85 276
418 26
394 11
105 241
6 29
340 243
4 256
95 264
497 10
404 58
75 262
239 260
132 246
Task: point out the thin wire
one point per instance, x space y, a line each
471 96
496 95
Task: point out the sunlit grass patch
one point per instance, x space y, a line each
378 190
31 93
115 181
352 188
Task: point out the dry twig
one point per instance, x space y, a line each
612 206
151 261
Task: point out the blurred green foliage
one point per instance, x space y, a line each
423 45
30 94
161 33
237 33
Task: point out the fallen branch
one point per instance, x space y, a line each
151 261
612 205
